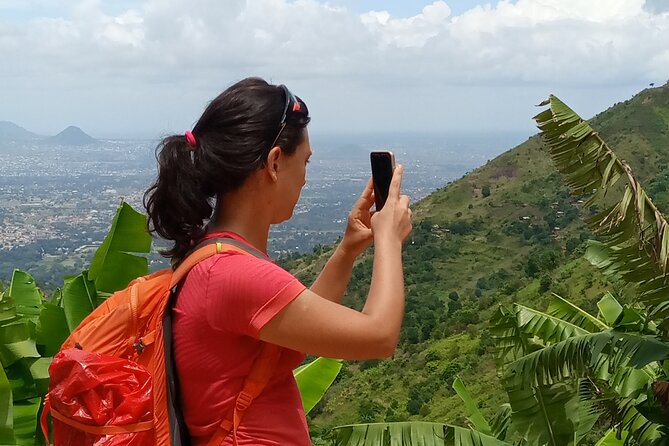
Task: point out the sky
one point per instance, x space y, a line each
145 68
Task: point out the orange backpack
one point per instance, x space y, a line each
114 380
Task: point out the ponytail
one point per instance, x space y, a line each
228 143
176 204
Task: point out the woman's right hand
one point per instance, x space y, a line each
393 221
321 327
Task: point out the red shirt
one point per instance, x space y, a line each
224 302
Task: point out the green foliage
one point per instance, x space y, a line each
636 246
475 415
313 380
416 433
32 327
114 265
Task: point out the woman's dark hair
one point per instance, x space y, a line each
232 140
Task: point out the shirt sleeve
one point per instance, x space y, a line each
245 292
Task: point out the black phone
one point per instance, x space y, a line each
383 165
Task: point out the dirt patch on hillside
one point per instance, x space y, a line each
503 172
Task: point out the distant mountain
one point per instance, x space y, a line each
71 136
12 132
346 152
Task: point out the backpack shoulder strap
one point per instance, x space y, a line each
207 249
261 371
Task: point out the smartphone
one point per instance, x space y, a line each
383 165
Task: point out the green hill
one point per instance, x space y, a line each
507 232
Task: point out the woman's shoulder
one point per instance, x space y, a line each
240 267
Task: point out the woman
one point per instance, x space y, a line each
247 154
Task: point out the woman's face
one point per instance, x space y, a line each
292 176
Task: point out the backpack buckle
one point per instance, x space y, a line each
244 400
139 346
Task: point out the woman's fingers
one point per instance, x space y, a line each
396 182
367 197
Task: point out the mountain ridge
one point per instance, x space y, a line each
13 132
71 135
509 231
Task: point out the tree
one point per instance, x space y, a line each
545 283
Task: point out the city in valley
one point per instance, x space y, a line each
57 201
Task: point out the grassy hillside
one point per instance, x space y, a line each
507 232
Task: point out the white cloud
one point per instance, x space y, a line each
408 32
160 49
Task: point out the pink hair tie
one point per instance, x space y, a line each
191 139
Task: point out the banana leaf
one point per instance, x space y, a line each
501 421
314 379
545 415
410 434
578 357
568 312
113 265
27 297
16 343
611 439
475 415
52 329
26 422
79 299
548 328
6 410
610 308
636 235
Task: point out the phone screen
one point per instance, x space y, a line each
383 164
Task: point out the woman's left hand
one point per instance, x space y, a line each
358 234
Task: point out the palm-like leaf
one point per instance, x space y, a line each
25 421
579 356
501 422
475 415
568 312
637 235
624 360
6 410
79 299
611 439
26 295
315 378
411 434
511 342
52 329
515 330
549 329
24 374
549 413
588 411
113 266
544 415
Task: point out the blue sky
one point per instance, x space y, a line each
148 67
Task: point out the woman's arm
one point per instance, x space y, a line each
333 280
316 325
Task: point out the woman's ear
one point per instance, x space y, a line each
273 158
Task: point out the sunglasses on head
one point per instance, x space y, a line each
292 105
